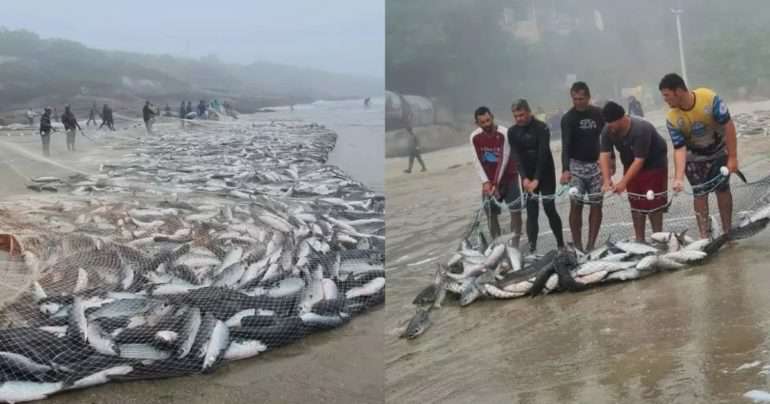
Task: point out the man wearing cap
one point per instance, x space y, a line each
704 141
645 166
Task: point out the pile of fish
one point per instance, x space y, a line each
282 159
135 289
750 124
499 271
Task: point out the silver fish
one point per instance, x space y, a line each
217 344
417 325
189 332
17 391
367 289
101 377
243 349
636 247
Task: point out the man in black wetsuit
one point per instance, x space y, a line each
529 140
580 129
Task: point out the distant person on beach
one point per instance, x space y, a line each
107 118
167 110
30 117
91 116
45 131
56 115
202 109
414 150
70 124
149 116
635 107
367 101
182 110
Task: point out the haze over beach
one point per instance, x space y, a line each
205 168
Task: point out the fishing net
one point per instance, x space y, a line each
191 251
678 212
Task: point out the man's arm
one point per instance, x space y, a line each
477 160
680 160
636 166
604 165
566 140
731 140
680 154
514 152
543 141
721 115
505 159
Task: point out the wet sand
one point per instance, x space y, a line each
677 337
319 368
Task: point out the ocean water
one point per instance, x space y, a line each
360 149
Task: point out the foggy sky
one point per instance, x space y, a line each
343 36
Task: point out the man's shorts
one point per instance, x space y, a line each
656 180
704 175
510 194
587 179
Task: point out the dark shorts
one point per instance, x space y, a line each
646 180
510 194
704 176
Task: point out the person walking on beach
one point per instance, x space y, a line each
45 131
414 150
91 116
202 110
148 115
70 124
635 107
107 118
182 109
30 117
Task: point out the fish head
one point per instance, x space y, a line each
417 325
470 293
